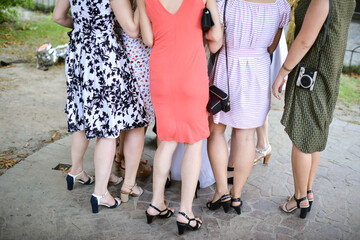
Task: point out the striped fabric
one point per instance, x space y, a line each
251 28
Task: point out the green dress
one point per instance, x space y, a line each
308 114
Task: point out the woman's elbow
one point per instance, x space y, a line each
132 32
57 18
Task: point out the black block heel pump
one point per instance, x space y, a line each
237 208
224 201
166 213
182 226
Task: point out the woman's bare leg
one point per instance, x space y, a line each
133 148
161 168
218 156
190 170
103 160
79 144
243 153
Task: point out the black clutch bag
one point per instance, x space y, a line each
206 20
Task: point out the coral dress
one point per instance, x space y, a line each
178 73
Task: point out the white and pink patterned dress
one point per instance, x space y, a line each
139 55
251 28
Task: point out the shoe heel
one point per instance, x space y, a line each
181 227
303 212
226 206
267 158
237 209
70 182
94 204
310 203
124 197
149 217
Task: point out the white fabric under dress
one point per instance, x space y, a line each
279 56
206 177
251 28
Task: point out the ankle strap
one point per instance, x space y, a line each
309 191
76 175
225 196
230 169
160 211
100 197
298 201
236 200
184 214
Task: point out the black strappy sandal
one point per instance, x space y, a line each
303 210
224 201
237 208
182 226
168 213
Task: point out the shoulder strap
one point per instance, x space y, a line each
226 56
325 34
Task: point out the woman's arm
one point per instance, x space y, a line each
128 20
214 36
314 20
275 42
145 24
60 14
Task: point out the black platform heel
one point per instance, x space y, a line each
303 210
237 208
310 201
182 226
224 201
168 213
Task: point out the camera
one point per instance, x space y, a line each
306 78
219 101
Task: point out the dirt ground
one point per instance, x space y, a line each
32 104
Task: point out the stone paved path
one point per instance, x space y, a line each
36 204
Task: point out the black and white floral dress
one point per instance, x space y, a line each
102 95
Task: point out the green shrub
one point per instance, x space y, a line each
7 11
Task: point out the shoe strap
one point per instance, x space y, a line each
298 201
265 151
100 197
230 169
76 175
160 211
190 220
131 188
309 191
236 200
225 196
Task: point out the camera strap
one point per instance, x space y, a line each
325 35
226 56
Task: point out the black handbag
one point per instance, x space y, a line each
218 99
206 20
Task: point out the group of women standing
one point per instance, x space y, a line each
108 91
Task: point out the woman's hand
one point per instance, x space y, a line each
279 82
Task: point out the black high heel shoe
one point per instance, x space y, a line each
237 208
310 200
182 226
95 202
224 201
304 210
168 213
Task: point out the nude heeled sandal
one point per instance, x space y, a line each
125 195
265 154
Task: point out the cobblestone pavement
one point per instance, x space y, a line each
37 205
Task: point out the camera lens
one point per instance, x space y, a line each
306 81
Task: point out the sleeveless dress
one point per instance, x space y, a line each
139 55
308 114
102 95
251 28
178 73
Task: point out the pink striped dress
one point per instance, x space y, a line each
251 28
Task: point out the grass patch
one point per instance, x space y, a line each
349 89
22 38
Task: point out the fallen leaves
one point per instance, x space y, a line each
6 161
